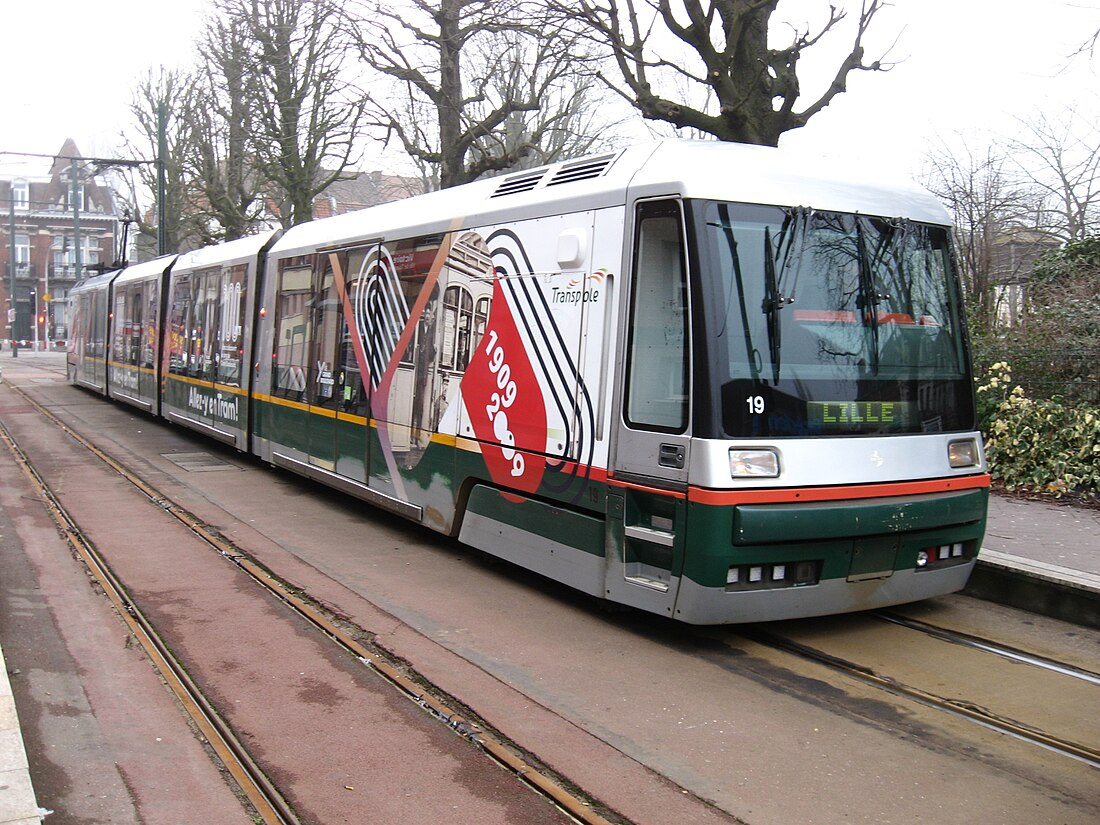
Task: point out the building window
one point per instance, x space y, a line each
64 264
79 195
90 257
22 252
20 193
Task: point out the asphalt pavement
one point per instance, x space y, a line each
1037 555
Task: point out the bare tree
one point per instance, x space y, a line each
222 124
462 71
1060 159
306 118
571 121
171 90
987 205
749 92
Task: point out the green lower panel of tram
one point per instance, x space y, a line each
772 546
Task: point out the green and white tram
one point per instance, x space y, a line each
712 381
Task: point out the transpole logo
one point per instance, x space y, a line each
575 292
504 401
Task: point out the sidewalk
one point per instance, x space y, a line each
1041 557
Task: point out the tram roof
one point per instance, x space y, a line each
146 269
94 281
692 169
131 272
241 250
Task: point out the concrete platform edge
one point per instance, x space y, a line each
1068 595
17 802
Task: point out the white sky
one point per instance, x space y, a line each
970 67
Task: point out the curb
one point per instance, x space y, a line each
1047 589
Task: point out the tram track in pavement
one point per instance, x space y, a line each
1009 652
786 639
266 801
260 792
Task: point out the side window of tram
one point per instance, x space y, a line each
356 396
134 323
292 330
231 328
327 333
657 365
121 319
179 325
149 331
203 343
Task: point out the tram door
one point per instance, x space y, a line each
337 437
647 496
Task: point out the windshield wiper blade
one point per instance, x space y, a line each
791 242
773 302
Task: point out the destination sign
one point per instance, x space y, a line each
831 414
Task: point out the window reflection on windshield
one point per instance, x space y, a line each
848 300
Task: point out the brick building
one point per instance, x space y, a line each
365 189
59 231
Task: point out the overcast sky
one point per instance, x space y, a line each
971 67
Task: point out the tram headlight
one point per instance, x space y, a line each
754 463
962 453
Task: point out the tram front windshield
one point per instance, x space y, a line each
824 323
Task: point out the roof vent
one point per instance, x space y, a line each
522 182
581 170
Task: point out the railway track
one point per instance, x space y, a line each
264 797
1009 652
1065 687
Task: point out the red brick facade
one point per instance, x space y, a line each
36 196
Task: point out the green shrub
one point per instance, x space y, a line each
1041 445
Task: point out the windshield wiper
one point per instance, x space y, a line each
795 237
773 302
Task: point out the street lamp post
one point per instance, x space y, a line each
14 263
34 320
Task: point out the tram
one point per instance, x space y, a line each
712 381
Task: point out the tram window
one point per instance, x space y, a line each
197 331
354 394
291 331
204 333
231 330
134 324
657 366
179 322
149 333
122 327
326 329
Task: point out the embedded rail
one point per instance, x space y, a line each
969 710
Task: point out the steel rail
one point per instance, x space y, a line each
257 788
1014 654
967 710
494 746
